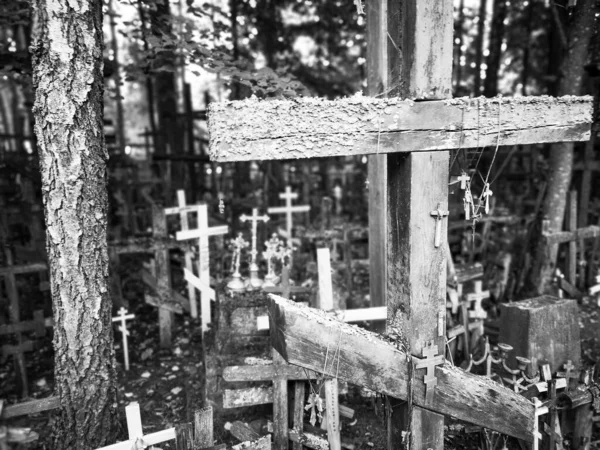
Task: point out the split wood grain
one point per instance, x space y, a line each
303 335
311 127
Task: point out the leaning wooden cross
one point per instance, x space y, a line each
408 172
202 233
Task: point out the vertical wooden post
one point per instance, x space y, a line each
163 273
280 408
183 216
203 428
572 259
407 271
298 412
189 119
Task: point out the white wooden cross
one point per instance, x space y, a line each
123 317
183 209
255 281
137 439
207 295
477 298
202 233
288 210
332 417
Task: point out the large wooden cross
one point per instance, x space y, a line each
408 170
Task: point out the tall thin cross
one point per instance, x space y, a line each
255 281
288 210
183 210
202 233
123 317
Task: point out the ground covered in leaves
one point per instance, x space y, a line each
168 386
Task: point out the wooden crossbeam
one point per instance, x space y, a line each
561 237
25 268
30 407
302 335
312 127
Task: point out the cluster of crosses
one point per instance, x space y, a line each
408 189
275 249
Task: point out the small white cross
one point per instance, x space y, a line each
136 433
463 180
487 193
439 214
477 297
288 209
123 317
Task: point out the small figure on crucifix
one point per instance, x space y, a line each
236 284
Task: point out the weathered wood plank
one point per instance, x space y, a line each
312 127
203 428
589 232
266 373
302 335
280 407
31 407
253 396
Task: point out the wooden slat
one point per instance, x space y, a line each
280 407
311 127
589 232
266 373
303 335
25 268
253 396
203 428
31 407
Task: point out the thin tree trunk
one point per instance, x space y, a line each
561 154
479 47
67 75
459 43
490 85
526 50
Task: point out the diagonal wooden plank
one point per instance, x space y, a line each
310 338
312 127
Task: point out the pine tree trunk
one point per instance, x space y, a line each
561 155
67 75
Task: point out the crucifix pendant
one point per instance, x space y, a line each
438 214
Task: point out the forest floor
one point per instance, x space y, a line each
168 386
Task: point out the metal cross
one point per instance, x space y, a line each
430 361
254 218
439 214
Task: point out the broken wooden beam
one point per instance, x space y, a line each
561 237
311 127
303 336
30 407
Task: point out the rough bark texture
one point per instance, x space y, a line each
67 55
561 154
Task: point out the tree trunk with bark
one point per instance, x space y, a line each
581 28
67 75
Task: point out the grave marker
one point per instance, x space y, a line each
255 281
183 210
137 439
288 210
123 317
202 233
